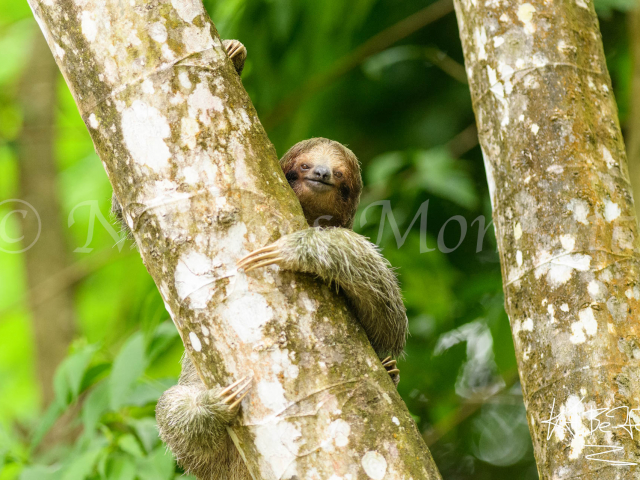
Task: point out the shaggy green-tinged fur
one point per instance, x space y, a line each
192 421
342 257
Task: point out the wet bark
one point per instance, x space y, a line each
566 227
53 319
200 186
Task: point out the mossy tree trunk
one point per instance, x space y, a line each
200 186
566 227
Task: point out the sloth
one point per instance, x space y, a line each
325 176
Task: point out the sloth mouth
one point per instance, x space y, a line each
318 186
318 182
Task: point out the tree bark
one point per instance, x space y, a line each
201 186
565 224
53 320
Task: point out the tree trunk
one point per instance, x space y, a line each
565 224
201 186
53 319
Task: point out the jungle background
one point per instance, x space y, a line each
86 346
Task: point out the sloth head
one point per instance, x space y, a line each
325 175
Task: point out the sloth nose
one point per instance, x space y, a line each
322 173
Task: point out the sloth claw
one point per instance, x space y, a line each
235 48
390 366
262 257
234 393
237 53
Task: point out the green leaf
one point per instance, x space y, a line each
41 472
69 375
145 392
96 403
14 42
51 415
376 64
438 173
13 12
101 467
152 314
121 467
383 167
95 373
147 431
81 467
165 336
160 465
128 366
129 444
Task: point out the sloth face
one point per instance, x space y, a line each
326 178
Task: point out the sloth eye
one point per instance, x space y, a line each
305 166
338 174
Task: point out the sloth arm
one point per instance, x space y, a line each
192 421
342 257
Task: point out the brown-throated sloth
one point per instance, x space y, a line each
325 175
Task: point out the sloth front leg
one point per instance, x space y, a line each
341 256
192 421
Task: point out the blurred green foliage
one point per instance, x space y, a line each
404 112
